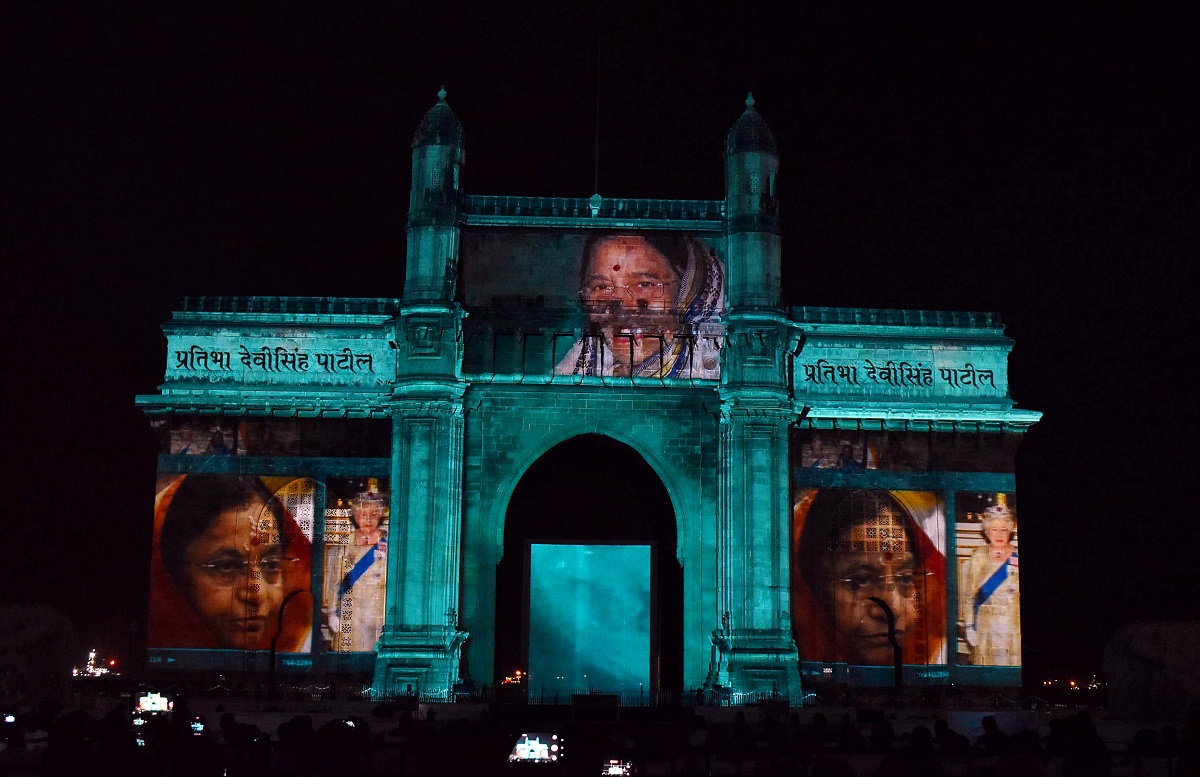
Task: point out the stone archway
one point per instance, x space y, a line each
589 490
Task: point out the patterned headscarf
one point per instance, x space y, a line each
700 299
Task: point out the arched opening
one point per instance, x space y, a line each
592 491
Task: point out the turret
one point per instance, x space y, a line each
752 213
437 163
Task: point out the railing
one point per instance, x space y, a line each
601 207
945 319
291 305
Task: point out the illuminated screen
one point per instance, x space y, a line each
153 702
342 437
925 521
852 545
228 550
354 593
537 748
248 561
544 748
589 618
902 451
592 304
989 586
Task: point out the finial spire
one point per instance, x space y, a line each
750 132
440 126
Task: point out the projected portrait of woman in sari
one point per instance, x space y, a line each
230 567
856 548
653 304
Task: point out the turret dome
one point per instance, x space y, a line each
750 132
440 126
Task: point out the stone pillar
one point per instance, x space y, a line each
754 653
421 643
421 638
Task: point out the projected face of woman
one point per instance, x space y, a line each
855 576
629 291
999 533
234 576
367 517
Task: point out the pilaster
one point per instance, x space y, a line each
754 653
420 647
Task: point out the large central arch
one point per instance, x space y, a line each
592 490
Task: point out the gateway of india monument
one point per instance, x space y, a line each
587 448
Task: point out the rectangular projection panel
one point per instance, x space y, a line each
927 522
593 304
354 590
589 618
231 562
824 449
853 545
989 587
269 534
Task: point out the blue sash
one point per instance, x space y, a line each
990 586
360 568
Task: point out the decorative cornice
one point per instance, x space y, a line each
428 390
761 221
916 418
875 317
155 405
195 308
594 213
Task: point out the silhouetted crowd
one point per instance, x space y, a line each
395 741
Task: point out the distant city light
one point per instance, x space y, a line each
90 669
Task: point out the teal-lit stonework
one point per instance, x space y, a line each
466 370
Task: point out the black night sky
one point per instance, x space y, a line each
1037 163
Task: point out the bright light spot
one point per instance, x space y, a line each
91 669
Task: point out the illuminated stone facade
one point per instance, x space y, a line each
467 367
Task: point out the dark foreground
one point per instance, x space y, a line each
384 739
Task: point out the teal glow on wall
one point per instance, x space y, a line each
528 322
589 618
